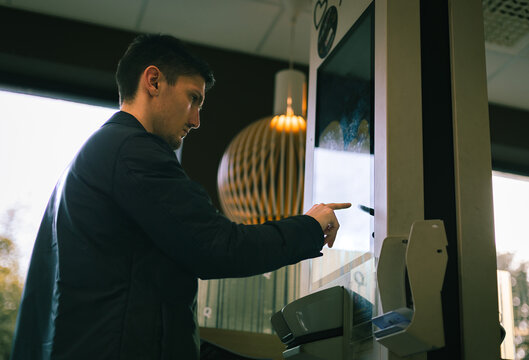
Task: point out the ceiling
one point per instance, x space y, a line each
262 27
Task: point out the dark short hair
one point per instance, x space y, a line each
163 51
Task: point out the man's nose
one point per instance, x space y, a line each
194 121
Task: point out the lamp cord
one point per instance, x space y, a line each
292 35
290 111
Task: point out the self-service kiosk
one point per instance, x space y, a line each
398 126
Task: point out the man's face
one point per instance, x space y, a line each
177 108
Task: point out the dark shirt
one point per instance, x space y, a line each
125 235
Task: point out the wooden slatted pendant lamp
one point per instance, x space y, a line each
261 174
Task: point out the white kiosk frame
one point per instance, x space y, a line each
398 170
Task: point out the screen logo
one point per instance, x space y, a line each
326 21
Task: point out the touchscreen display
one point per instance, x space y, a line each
343 153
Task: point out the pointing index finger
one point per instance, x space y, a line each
338 206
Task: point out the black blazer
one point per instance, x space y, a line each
123 240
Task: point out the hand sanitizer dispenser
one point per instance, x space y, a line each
410 326
320 326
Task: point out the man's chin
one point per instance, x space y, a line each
174 143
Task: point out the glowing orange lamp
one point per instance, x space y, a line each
261 173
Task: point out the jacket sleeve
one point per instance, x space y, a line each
177 215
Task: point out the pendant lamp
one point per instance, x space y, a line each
261 174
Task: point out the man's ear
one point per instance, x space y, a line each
151 78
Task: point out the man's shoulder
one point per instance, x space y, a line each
121 140
105 143
109 138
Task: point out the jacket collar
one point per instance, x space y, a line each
124 118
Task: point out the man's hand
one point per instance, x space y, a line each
324 214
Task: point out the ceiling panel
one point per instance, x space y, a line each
277 44
510 86
259 27
116 13
231 24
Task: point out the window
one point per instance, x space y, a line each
38 138
511 214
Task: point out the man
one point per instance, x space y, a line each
126 233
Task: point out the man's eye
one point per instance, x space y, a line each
195 100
